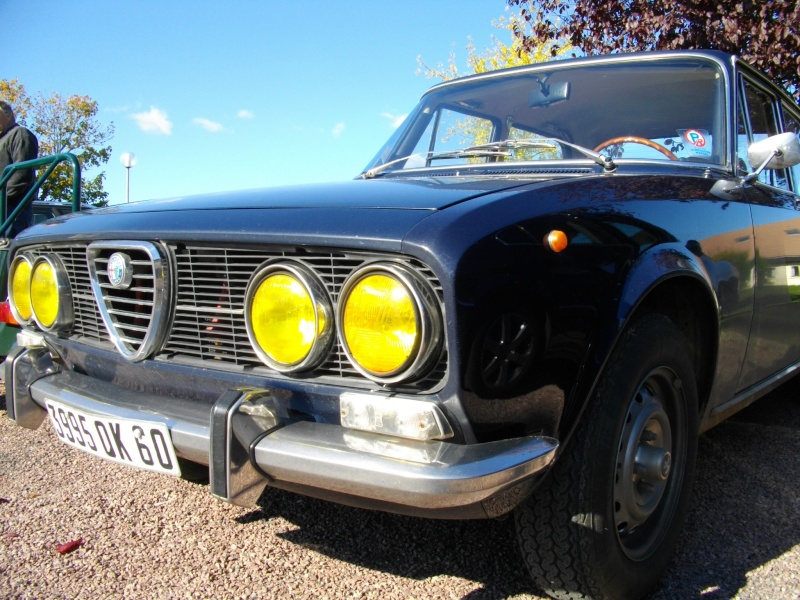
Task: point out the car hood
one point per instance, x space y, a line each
408 194
351 212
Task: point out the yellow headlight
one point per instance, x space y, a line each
287 318
20 288
44 294
380 324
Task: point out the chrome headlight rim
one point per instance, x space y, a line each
428 315
65 314
19 258
321 304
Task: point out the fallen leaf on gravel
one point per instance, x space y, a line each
68 547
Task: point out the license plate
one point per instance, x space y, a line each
143 444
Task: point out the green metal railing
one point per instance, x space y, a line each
52 162
8 333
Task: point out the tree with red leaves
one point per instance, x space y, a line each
766 34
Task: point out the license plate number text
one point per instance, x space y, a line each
143 444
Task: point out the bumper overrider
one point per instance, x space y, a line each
248 445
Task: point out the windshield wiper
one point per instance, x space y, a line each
548 144
498 149
474 152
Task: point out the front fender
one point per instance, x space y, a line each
708 301
654 267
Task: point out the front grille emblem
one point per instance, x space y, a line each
131 285
120 271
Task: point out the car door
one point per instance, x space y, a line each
774 342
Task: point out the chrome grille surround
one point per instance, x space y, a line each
205 324
135 311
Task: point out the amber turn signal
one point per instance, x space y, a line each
556 240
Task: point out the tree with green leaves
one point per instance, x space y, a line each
64 124
766 34
500 56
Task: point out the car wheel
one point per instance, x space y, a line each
605 522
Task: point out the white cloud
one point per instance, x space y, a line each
208 124
338 129
153 121
245 114
396 120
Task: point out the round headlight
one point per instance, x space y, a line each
390 324
288 317
20 289
51 300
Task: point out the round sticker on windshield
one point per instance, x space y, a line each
695 138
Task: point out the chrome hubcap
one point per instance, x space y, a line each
644 460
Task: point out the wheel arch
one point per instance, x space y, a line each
669 282
688 302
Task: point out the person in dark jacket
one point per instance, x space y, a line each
17 144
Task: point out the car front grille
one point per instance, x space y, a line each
207 284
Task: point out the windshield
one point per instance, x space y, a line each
663 110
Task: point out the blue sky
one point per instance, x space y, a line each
214 96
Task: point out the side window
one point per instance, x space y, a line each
792 123
757 121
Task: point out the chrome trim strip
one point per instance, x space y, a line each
745 398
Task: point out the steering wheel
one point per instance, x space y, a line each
637 140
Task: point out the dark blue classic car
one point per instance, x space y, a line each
536 296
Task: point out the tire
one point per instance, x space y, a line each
605 521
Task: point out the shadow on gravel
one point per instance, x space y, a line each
745 512
745 509
480 551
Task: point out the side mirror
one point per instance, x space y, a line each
776 152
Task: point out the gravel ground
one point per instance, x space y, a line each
149 536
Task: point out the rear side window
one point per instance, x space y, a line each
757 121
792 123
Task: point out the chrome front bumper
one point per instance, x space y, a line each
247 447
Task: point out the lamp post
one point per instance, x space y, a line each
128 159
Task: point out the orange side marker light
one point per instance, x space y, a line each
556 240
